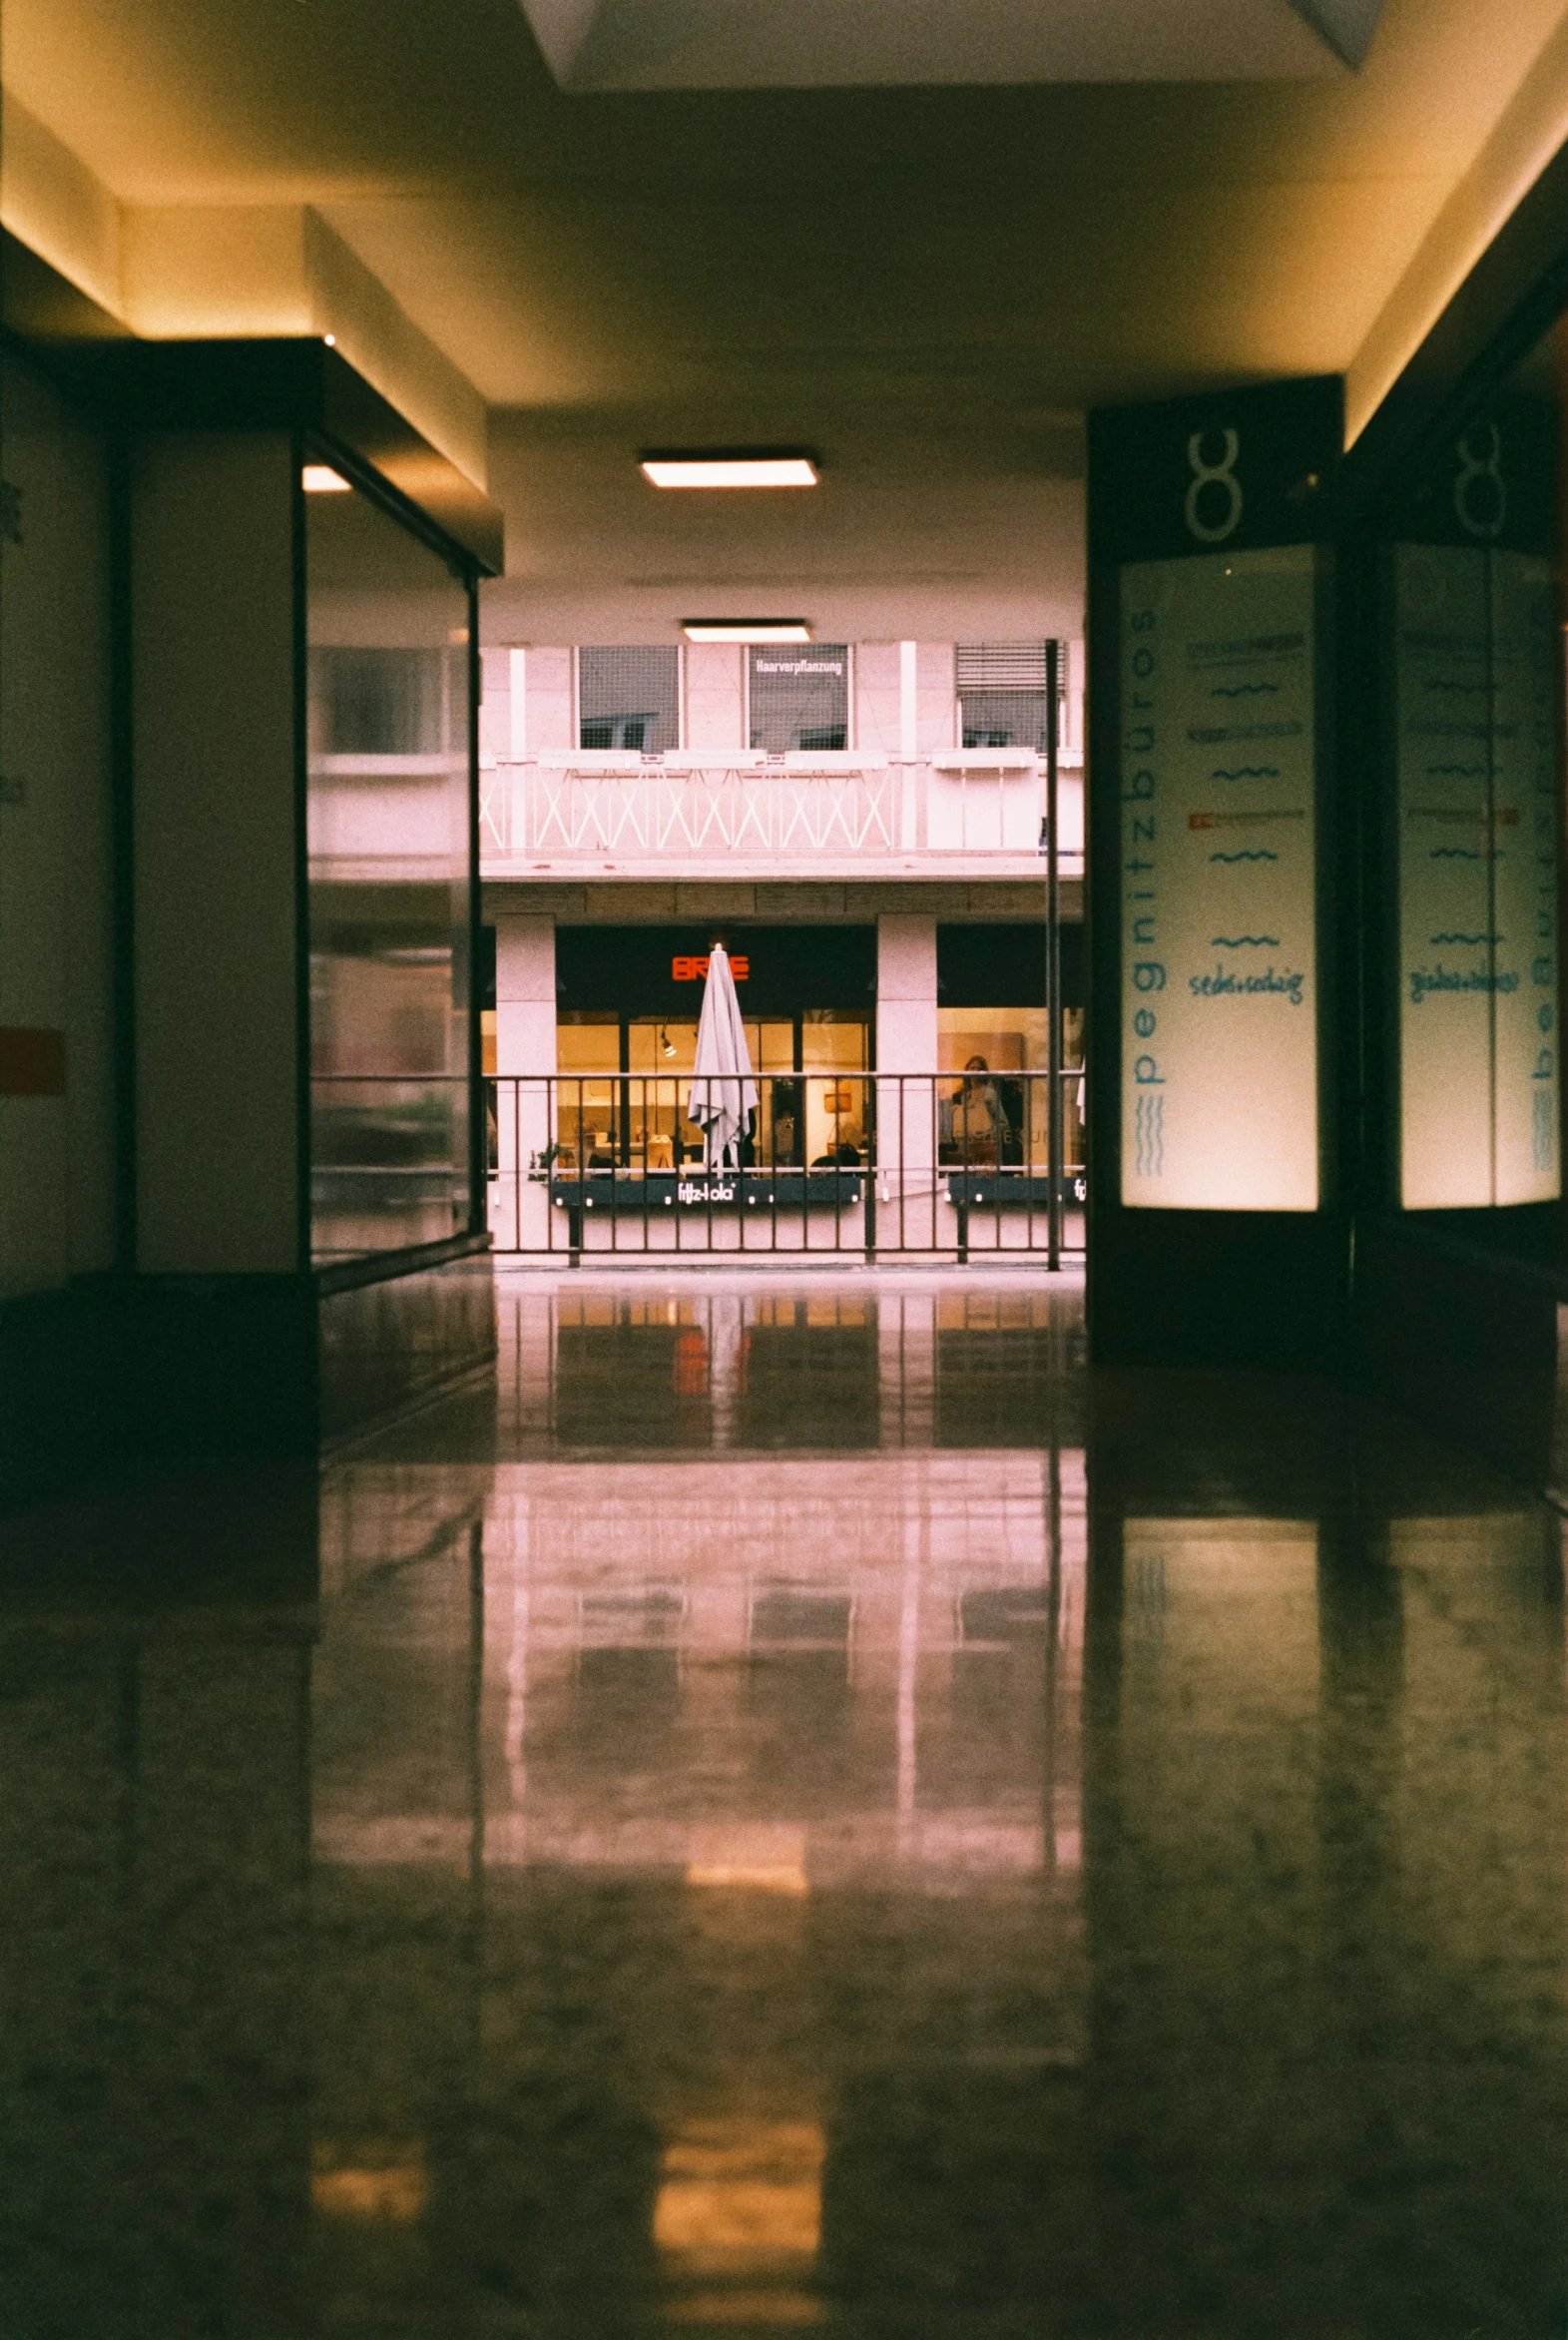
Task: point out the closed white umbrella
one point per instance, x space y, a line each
724 1094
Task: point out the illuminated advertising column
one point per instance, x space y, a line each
1475 679
1219 902
1214 1227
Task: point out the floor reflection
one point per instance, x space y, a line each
1107 1883
710 1358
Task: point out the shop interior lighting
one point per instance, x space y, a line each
735 468
321 479
745 629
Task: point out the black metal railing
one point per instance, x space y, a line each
891 1165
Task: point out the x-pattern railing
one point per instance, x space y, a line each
557 808
577 811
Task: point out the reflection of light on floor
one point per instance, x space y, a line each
385 2182
738 2220
746 2307
750 1859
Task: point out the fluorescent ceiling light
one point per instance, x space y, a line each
321 479
739 468
745 629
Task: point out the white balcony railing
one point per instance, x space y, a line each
810 815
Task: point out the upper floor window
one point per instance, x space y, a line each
799 697
629 697
1003 700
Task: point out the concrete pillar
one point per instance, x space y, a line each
217 1074
908 702
525 1060
714 698
905 1043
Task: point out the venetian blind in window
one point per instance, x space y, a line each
1003 698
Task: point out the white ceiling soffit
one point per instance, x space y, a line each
823 44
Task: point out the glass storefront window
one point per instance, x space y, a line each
999 1113
624 1083
391 882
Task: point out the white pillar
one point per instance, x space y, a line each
517 744
909 702
905 1043
524 1056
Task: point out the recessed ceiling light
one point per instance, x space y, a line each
745 629
733 467
321 479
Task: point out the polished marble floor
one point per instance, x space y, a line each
800 1808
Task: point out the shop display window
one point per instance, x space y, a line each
988 1112
624 1082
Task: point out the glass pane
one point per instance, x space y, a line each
1005 719
629 698
773 1047
1473 606
390 883
834 1042
662 1054
588 1043
999 1041
661 1045
800 699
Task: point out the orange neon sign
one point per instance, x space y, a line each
694 970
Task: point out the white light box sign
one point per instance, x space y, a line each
1476 668
1219 890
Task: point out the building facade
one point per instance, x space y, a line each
847 818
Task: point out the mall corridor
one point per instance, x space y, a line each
798 1807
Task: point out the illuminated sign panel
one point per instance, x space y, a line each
1476 677
1218 851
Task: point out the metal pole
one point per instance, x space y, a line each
868 1136
1053 963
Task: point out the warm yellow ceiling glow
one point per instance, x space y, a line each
730 470
745 629
321 479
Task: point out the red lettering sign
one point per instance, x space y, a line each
694 970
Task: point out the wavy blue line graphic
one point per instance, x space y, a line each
1249 772
1457 771
1241 690
1453 852
1148 1134
1257 857
1468 938
1243 942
